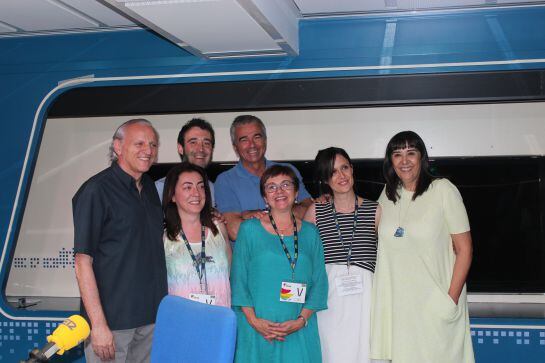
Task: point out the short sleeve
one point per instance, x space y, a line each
303 193
160 186
383 199
225 196
453 208
212 193
317 295
88 211
240 293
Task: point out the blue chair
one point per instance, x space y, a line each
192 332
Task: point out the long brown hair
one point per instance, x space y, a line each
173 224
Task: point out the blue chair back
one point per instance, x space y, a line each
192 332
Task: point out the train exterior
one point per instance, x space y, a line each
472 95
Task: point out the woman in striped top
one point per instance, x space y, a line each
347 226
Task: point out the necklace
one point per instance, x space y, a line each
283 231
400 231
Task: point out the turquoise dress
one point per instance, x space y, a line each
259 267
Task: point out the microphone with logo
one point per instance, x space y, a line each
68 334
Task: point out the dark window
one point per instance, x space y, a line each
503 197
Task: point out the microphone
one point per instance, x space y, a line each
70 333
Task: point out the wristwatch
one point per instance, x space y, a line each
304 319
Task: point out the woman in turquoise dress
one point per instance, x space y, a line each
278 279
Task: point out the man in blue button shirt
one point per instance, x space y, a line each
237 189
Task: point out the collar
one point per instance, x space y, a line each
243 173
125 178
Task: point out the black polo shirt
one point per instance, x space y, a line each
122 230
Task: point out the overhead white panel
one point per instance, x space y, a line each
35 15
283 17
416 4
99 12
205 24
338 6
6 28
272 29
434 4
324 7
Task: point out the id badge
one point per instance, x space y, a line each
293 292
349 284
203 298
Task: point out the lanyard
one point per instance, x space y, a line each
201 270
349 252
293 262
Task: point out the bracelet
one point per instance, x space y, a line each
304 319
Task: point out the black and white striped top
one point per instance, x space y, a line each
364 247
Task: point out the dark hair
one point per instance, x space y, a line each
201 124
324 164
277 170
173 224
244 120
403 140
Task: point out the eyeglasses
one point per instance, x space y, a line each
273 188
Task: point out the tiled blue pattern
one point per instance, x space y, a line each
23 336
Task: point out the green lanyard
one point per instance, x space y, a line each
201 270
292 261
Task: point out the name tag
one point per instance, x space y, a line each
203 298
349 285
293 292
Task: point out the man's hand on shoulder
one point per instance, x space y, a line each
217 217
324 198
300 208
249 214
234 219
102 341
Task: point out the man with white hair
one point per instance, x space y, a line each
120 260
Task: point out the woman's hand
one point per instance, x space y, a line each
268 329
275 331
290 326
463 248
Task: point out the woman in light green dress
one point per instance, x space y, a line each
419 306
274 322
